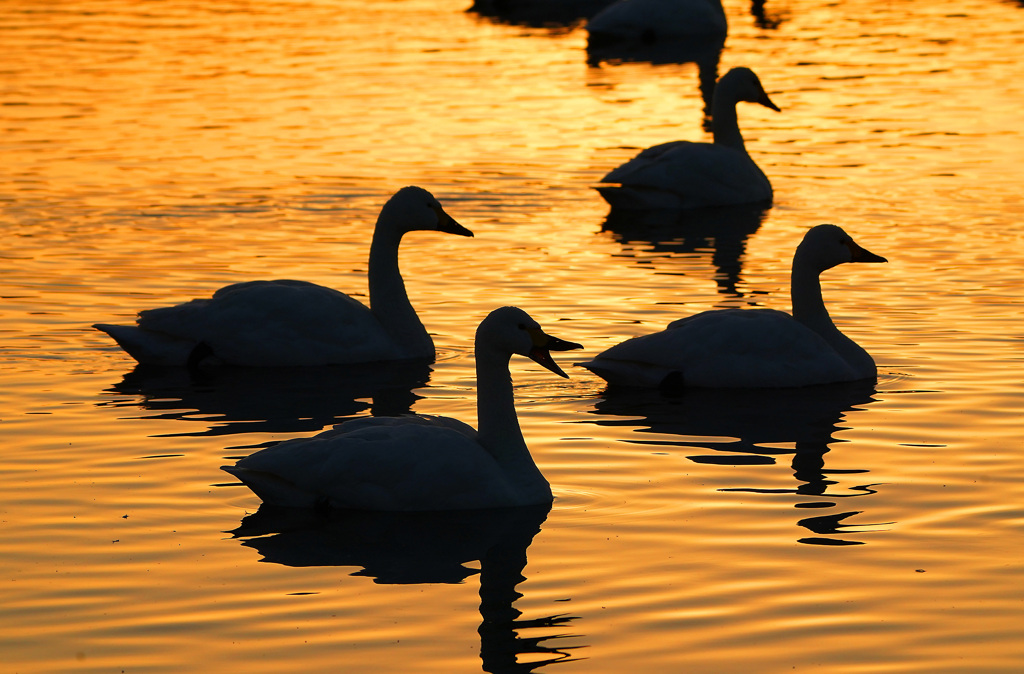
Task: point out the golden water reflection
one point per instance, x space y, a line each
154 152
414 548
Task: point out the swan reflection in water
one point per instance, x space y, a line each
704 51
655 237
759 420
428 547
233 400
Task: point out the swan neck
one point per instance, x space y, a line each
498 426
809 309
724 121
389 301
805 293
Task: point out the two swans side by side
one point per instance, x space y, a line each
296 323
417 463
752 348
684 174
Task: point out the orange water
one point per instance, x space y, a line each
153 152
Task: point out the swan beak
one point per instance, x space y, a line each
858 254
447 224
543 344
767 102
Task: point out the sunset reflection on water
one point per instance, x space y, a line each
156 152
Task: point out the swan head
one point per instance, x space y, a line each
741 84
826 246
510 330
415 209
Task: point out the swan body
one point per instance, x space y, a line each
684 174
654 20
418 463
752 348
296 323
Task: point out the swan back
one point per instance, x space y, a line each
656 20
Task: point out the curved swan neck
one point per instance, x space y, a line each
805 293
389 301
809 309
724 121
497 424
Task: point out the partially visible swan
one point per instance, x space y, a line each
684 174
421 462
657 20
752 348
296 323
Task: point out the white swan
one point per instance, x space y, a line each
656 20
295 323
683 174
421 462
752 348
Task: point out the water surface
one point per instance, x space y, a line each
154 152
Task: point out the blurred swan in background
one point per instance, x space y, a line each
416 463
296 323
657 20
752 348
684 174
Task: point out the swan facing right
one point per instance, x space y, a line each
752 348
682 174
418 463
297 323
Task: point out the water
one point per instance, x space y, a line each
155 152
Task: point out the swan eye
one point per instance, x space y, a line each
522 326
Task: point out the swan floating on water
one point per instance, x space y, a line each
416 463
752 348
296 323
651 21
684 174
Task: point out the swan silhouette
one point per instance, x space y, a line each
684 174
416 463
752 348
657 20
296 323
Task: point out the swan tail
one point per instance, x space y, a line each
634 374
148 347
274 489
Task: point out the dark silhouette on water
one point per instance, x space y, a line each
539 13
271 400
654 238
759 420
424 547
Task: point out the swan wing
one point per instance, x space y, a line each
275 323
732 348
695 175
379 463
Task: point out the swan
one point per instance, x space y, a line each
295 323
416 463
752 348
653 20
684 174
